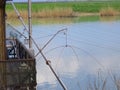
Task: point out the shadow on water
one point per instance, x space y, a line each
64 20
67 20
74 19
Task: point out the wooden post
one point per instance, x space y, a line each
2 46
29 24
2 30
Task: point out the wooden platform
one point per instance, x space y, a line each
19 68
17 64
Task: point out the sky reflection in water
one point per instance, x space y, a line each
93 50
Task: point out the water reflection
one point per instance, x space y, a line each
110 18
90 59
74 19
85 59
35 21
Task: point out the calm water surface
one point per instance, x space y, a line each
85 57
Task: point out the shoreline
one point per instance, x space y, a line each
67 9
75 14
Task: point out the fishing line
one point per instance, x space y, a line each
74 52
66 37
51 39
106 30
93 44
83 51
111 34
61 52
19 17
13 28
64 47
44 36
59 57
48 62
40 50
94 58
86 32
104 39
52 49
72 48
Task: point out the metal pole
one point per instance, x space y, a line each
51 39
49 64
30 37
19 17
29 23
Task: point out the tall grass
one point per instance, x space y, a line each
64 9
56 12
108 12
45 13
102 81
12 14
76 6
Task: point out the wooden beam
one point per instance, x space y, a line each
2 46
2 30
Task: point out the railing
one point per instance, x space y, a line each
16 50
18 72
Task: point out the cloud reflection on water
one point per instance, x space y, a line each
99 54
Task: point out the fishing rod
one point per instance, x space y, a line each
48 62
51 40
19 16
16 30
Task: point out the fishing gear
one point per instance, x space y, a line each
51 39
48 62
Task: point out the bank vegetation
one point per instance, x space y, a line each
67 9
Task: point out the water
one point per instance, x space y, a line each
85 57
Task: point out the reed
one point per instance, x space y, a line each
67 9
78 6
52 13
108 12
13 15
45 13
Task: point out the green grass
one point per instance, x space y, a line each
94 6
76 6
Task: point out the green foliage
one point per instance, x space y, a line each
76 6
94 6
19 6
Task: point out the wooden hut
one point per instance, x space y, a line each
17 65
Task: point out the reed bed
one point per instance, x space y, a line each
52 13
13 15
45 13
108 12
67 9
